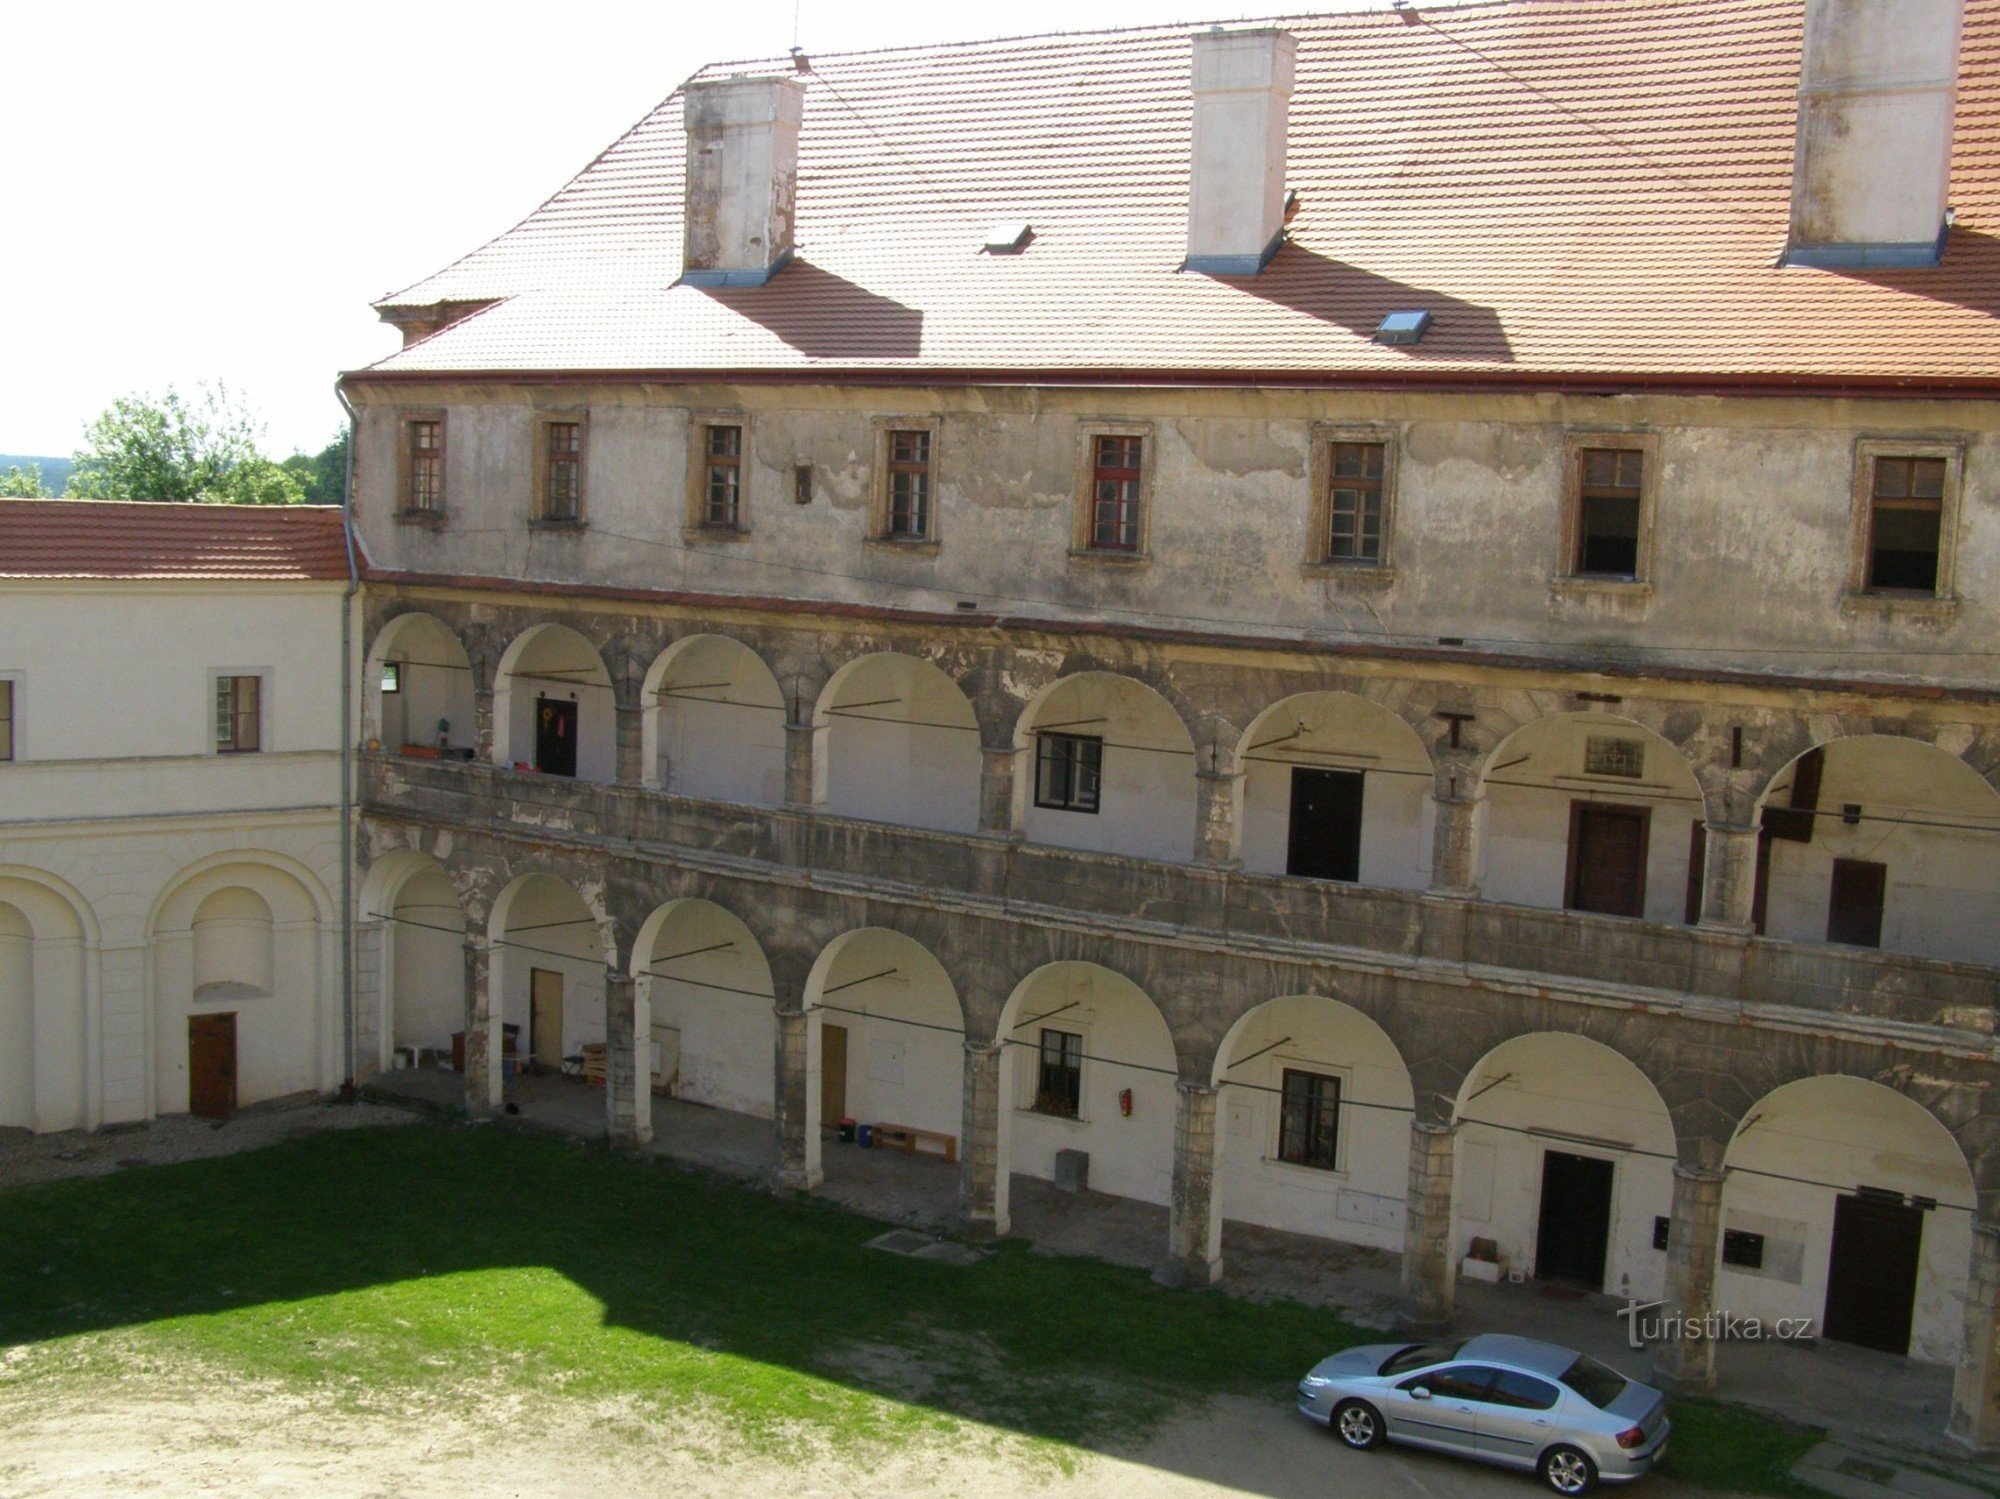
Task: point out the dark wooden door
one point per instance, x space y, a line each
1871 1279
1326 824
212 1065
1575 1226
555 736
832 1075
1607 859
545 1018
1854 908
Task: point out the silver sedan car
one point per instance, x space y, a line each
1499 1399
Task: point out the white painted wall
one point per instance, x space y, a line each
428 993
901 745
17 1019
1839 1133
1146 807
897 1072
549 927
435 684
1362 1202
713 1008
715 723
553 661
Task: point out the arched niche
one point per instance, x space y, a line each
899 743
553 710
714 723
417 689
1109 766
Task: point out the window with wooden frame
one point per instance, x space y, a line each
1904 546
1353 502
1069 771
562 442
908 481
721 476
1059 1076
423 465
1117 494
239 710
1610 488
1309 1120
6 719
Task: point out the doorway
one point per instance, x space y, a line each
1575 1228
1854 905
545 1018
832 1075
555 736
1607 859
212 1065
1871 1278
1325 839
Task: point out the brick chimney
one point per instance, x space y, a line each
742 178
1872 158
1236 197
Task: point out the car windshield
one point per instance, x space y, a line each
1419 1356
1592 1380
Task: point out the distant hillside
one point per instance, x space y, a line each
55 471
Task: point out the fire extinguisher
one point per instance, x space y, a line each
1125 1102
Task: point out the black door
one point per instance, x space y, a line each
1576 1220
1871 1281
1854 904
1326 824
555 736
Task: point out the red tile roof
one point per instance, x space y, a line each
129 539
1578 189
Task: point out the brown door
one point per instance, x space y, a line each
1854 910
545 1018
832 1075
1607 859
212 1065
1871 1279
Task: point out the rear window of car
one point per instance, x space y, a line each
1592 1380
1418 1356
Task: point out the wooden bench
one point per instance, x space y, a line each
906 1139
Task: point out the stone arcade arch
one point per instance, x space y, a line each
45 944
898 743
1140 798
704 985
420 928
714 723
417 688
552 687
551 949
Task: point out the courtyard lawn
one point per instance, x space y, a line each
362 1269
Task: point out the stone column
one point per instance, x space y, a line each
482 724
1682 1363
796 1101
631 754
1430 1269
628 1072
979 1151
802 782
1975 1392
1455 844
1729 877
998 765
1194 1221
1218 821
481 1067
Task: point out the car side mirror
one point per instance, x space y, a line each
1421 1392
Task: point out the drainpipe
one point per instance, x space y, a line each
347 752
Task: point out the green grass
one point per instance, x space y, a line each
369 1267
1718 1446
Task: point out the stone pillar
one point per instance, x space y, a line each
1455 845
979 1202
481 1067
1194 1222
1975 1392
631 761
482 724
1729 877
628 1072
1686 1364
1430 1269
998 766
1218 820
796 1101
802 781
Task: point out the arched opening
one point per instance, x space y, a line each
1110 767
714 724
17 1019
900 744
1336 787
417 690
707 987
1087 1066
546 983
232 947
426 966
42 1003
1587 812
1881 842
1849 1205
552 707
1565 1159
1315 1122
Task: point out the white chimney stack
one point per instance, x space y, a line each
742 179
1236 198
1872 161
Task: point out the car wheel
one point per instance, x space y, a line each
1568 1471
1357 1423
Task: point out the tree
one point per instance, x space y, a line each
322 475
186 449
23 483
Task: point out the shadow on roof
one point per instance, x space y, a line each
1358 300
825 316
1969 276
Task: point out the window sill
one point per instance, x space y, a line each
1309 1173
1912 605
558 524
1072 1121
1106 557
432 520
1355 574
714 533
1584 584
918 546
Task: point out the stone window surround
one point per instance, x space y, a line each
1319 509
1566 579
1344 1077
1080 549
216 676
695 525
878 485
406 419
1859 597
10 688
538 515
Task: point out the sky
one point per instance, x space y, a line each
216 191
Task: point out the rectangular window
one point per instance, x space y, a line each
1354 501
1607 755
562 487
1059 1081
1855 902
722 477
392 676
1610 488
238 715
6 720
910 485
1905 523
1116 468
426 488
1309 1122
1069 769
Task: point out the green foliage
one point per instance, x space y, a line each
322 475
23 483
188 449
1718 1446
55 473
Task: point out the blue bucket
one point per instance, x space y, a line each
865 1136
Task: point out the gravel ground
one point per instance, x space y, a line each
26 1157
